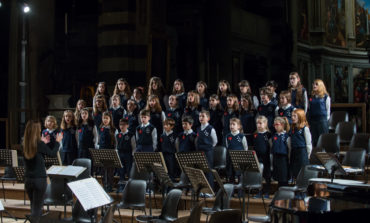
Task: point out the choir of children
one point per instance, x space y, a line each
194 121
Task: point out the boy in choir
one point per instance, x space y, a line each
267 108
126 144
168 148
206 140
146 134
186 140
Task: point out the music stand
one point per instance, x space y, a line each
66 173
50 161
196 160
144 162
198 181
163 177
331 164
19 174
105 158
90 194
244 161
8 159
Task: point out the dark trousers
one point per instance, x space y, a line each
144 148
126 159
318 127
209 175
171 164
35 188
68 157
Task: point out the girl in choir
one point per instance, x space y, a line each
132 115
231 111
216 114
69 144
156 88
86 134
138 97
280 151
179 90
267 108
298 92
318 110
284 109
262 148
245 88
175 113
122 89
192 108
102 90
272 85
116 110
34 149
223 91
80 105
106 140
99 107
51 130
235 140
247 117
300 142
201 88
157 116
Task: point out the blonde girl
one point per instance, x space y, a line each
262 148
280 151
300 142
69 144
318 110
298 92
123 90
50 130
79 105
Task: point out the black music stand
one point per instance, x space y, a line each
8 159
50 161
244 161
163 177
144 162
90 195
193 159
105 158
199 181
19 174
331 164
66 173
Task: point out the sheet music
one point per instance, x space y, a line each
90 193
1 206
54 170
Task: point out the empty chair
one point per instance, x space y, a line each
360 141
355 158
169 209
328 142
345 130
57 193
279 195
335 118
133 197
219 158
80 215
194 214
84 162
231 215
303 178
222 200
251 181
9 175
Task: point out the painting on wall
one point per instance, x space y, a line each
335 26
303 33
341 84
361 77
362 21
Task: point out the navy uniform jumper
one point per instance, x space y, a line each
298 155
85 141
69 146
168 148
124 148
262 148
144 140
280 158
187 142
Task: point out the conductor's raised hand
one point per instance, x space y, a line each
45 139
59 137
